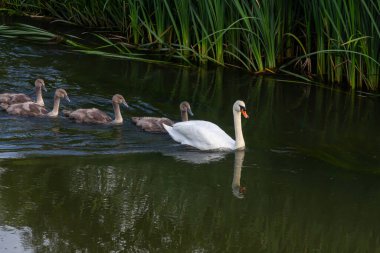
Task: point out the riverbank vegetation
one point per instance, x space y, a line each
334 41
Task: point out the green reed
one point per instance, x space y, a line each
250 49
340 37
215 13
180 21
346 39
198 16
268 15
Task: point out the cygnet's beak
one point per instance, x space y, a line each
44 88
125 104
190 112
67 98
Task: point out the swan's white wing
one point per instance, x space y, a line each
200 134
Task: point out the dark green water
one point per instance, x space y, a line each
309 177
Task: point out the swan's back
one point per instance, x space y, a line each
92 115
200 134
27 109
152 124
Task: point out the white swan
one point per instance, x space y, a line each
205 135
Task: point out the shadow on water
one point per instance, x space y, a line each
299 185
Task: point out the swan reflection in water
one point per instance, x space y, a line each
194 156
238 190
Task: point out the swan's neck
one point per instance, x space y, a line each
118 118
239 158
54 112
39 99
184 116
239 139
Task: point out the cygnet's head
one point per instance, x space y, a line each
119 99
40 84
61 93
239 106
185 107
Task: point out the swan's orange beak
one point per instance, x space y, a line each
244 112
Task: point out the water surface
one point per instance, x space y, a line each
308 180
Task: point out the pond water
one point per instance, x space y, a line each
308 180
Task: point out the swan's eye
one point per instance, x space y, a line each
243 111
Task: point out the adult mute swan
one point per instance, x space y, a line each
34 109
7 99
97 116
155 124
205 135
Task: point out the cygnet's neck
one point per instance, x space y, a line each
118 118
239 139
39 99
54 112
184 116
